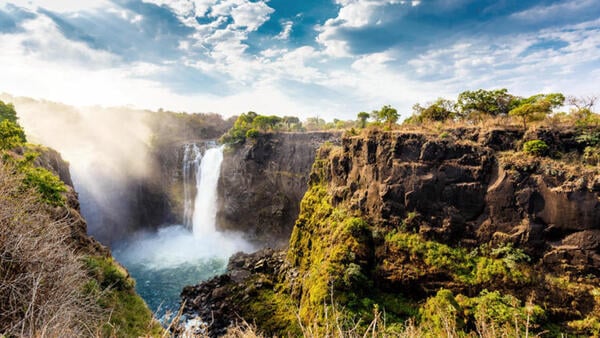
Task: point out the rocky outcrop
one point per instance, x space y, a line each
220 300
465 192
405 214
262 183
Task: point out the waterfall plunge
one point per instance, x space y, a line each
200 211
165 261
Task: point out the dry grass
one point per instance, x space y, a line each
42 280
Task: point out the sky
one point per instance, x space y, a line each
328 58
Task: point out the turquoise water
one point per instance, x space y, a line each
163 263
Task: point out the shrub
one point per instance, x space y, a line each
591 155
46 183
11 135
252 133
535 147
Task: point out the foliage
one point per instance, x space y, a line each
440 314
169 128
46 183
315 123
386 114
292 123
252 133
11 135
536 107
266 123
535 147
440 110
250 123
7 112
339 245
274 311
362 118
237 133
589 138
493 102
115 291
483 266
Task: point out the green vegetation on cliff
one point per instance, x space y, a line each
357 262
55 281
339 255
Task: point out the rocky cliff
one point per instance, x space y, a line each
262 183
411 223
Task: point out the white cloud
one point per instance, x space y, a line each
250 14
372 62
352 14
514 62
41 62
286 31
556 10
41 38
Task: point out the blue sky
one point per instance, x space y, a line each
330 58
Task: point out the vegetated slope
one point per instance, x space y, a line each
55 280
461 231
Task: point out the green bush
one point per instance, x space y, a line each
252 133
535 147
11 135
46 183
130 317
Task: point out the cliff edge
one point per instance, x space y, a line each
460 231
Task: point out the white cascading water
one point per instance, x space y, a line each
191 165
165 261
205 204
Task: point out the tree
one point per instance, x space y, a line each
265 123
314 123
387 114
537 107
583 111
12 129
291 121
7 112
362 118
492 102
440 110
11 135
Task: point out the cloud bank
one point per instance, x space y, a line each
280 57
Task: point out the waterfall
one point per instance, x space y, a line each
200 211
191 164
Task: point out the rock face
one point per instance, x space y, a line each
405 214
262 183
465 192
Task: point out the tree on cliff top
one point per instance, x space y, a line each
386 114
536 107
440 110
362 119
11 133
497 102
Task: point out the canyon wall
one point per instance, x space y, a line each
390 219
263 181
